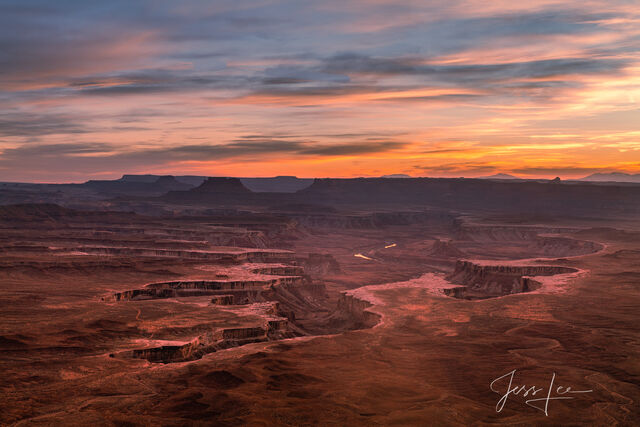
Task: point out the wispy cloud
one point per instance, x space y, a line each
350 85
27 124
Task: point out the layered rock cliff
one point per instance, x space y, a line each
216 340
486 281
354 312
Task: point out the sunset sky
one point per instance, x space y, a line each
95 89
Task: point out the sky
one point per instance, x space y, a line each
539 88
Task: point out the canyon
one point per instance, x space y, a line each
334 302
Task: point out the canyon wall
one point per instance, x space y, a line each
486 281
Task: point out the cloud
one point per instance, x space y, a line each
155 80
351 63
288 74
236 148
56 150
25 124
44 41
473 25
352 149
108 155
449 97
266 146
456 169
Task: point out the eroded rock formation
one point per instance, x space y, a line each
189 288
248 255
273 329
487 281
320 264
354 312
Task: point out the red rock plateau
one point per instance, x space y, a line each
349 302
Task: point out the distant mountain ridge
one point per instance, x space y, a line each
149 185
612 177
509 196
499 176
276 184
396 175
193 180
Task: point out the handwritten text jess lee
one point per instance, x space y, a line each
552 393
